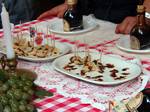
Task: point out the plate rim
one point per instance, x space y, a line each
34 59
130 50
92 81
75 32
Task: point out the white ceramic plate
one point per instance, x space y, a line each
64 48
124 44
88 23
134 69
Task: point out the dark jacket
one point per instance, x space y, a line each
110 10
27 10
19 10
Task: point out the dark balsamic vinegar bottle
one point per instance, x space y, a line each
141 102
140 33
72 19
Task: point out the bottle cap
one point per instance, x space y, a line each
140 8
71 2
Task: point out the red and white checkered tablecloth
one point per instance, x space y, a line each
58 102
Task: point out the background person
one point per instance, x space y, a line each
121 12
27 10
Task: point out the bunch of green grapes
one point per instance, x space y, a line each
16 93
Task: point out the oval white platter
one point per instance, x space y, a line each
63 49
134 69
124 44
88 24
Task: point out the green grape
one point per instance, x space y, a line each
21 84
5 87
26 88
29 83
23 78
25 96
23 102
4 100
22 107
18 94
11 82
1 90
30 108
30 92
14 105
10 94
15 75
7 109
1 106
1 83
14 109
15 86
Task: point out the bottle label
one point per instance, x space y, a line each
140 9
71 2
135 102
66 26
134 43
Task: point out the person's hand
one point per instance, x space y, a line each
147 5
126 26
56 11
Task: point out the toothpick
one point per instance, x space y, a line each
47 34
18 37
75 47
109 106
86 48
50 33
35 32
30 32
100 52
53 38
88 51
36 29
54 41
42 37
20 29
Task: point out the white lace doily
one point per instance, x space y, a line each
98 96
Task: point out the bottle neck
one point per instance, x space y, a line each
71 6
141 19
